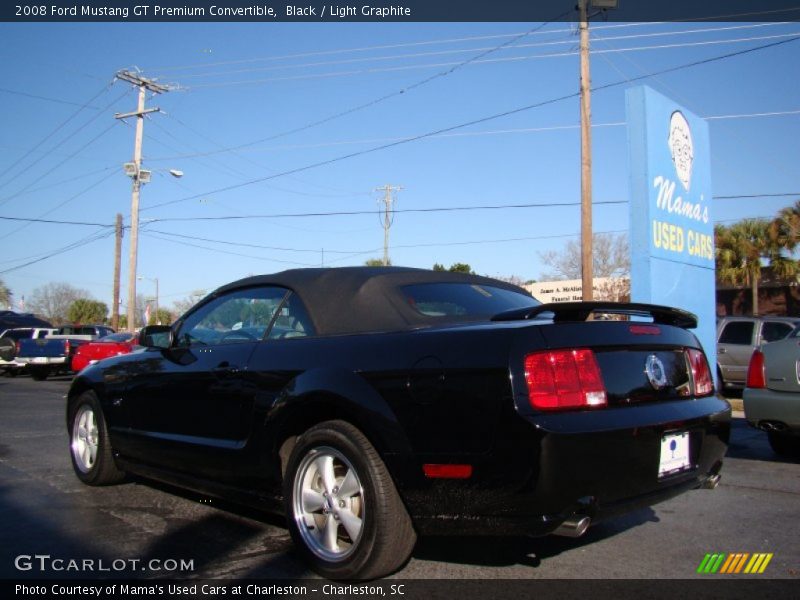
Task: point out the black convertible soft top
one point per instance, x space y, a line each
360 299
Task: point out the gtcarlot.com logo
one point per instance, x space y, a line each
740 562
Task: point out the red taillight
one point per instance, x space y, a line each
436 471
701 373
562 379
755 371
18 344
66 347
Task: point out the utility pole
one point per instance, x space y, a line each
117 258
139 177
587 275
388 216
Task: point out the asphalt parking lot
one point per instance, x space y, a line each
45 510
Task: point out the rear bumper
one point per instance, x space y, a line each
45 361
772 407
548 469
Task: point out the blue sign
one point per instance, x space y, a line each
671 225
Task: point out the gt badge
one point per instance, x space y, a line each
655 372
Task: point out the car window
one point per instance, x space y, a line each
772 331
464 299
737 332
18 334
291 321
237 317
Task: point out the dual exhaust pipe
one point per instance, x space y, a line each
577 525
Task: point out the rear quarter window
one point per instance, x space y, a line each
464 300
772 331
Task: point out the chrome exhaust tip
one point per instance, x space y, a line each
712 482
574 527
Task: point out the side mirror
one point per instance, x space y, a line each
156 336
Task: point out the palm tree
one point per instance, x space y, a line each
784 232
785 228
739 251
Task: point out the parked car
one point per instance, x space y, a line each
772 395
370 405
53 354
12 320
738 337
110 345
8 346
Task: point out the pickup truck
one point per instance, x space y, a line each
738 337
8 346
53 354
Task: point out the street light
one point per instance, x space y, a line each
155 279
139 176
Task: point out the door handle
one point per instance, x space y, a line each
225 370
723 351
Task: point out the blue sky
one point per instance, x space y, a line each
241 83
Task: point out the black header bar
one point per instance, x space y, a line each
272 11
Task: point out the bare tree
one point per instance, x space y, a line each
52 301
181 306
609 253
5 295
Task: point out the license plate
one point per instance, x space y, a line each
674 454
40 359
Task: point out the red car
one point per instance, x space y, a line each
110 345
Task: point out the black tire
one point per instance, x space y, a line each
373 532
89 444
8 349
39 373
12 372
784 444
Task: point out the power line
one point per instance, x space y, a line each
466 50
73 246
70 199
486 133
453 68
54 222
52 133
725 17
61 143
482 62
47 99
369 212
480 120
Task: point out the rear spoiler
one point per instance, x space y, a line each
580 311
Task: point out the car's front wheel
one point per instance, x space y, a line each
89 444
343 510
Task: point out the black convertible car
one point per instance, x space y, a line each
370 405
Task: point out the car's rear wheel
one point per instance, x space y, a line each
343 510
8 349
39 373
784 444
90 448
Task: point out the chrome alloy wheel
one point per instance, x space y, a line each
328 504
85 438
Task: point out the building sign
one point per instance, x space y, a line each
671 225
571 290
